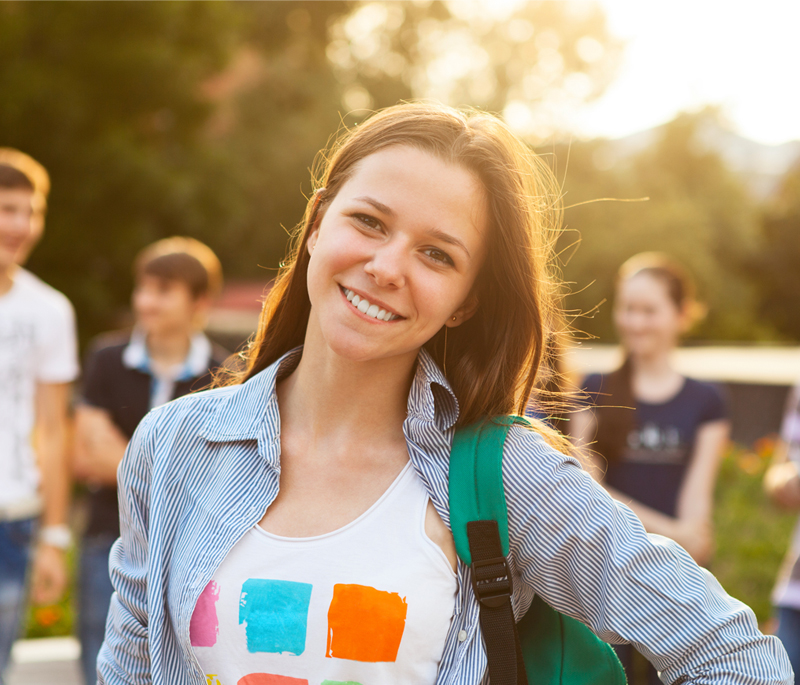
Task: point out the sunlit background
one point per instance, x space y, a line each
204 118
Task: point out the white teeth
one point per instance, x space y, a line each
366 307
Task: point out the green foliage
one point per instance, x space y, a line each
203 119
696 210
752 535
532 64
153 123
776 267
55 620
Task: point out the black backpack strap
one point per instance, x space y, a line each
491 580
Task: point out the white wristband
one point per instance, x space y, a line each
56 536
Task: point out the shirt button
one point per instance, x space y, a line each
462 635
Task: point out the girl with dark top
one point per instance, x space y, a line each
655 436
292 527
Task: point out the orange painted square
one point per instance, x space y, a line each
270 679
365 624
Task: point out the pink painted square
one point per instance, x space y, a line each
204 626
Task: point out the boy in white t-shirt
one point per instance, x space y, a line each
38 361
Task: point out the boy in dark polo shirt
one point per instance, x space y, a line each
166 356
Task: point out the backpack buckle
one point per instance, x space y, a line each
491 581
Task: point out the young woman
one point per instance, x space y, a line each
293 526
656 436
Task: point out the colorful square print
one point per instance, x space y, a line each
275 614
204 626
270 679
365 624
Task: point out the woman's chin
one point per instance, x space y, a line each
356 349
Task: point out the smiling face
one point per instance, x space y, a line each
165 306
396 254
16 212
648 320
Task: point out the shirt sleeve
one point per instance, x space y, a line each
591 388
717 405
589 557
124 657
58 351
95 388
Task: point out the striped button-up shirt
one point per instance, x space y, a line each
202 470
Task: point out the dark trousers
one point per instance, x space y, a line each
95 592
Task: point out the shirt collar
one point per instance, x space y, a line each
197 362
244 413
431 398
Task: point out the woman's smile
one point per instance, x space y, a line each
371 308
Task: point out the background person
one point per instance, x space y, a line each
782 484
38 361
166 356
655 436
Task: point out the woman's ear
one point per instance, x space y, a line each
465 312
312 239
318 213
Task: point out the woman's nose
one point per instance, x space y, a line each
388 265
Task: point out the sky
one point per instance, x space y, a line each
683 54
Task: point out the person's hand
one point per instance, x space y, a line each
696 536
782 483
49 574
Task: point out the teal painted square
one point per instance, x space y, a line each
275 614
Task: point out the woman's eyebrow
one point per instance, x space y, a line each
447 238
378 205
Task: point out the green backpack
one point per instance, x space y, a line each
554 649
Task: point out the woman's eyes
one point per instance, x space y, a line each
370 222
367 220
440 256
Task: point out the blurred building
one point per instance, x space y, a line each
234 317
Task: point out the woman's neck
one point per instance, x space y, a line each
168 349
330 398
654 378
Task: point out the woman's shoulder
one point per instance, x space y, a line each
529 457
711 398
594 382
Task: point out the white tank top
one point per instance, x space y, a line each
368 604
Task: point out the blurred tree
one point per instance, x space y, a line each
697 211
157 119
203 119
534 63
775 269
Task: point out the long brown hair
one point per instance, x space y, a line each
616 419
493 358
